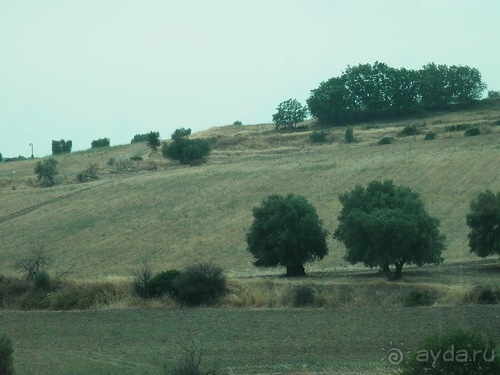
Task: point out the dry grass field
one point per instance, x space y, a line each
172 216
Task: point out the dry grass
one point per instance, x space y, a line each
173 216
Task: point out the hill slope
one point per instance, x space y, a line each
173 216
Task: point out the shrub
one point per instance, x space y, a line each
101 142
457 352
457 128
487 295
88 174
472 132
349 135
186 151
419 298
46 171
42 280
191 362
200 284
318 136
430 136
303 295
6 359
409 130
142 281
385 141
238 123
163 284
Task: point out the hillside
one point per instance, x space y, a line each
172 216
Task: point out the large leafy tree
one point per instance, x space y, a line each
385 224
484 223
331 102
289 113
287 232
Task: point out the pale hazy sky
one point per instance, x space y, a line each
86 69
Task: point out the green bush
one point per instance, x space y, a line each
200 284
42 280
6 358
185 150
349 135
238 123
385 141
430 136
303 295
101 142
409 130
163 284
419 298
318 136
458 352
472 132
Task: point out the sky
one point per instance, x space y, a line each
82 70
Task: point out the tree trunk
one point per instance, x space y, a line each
399 270
386 270
295 270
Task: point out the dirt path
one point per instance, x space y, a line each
29 209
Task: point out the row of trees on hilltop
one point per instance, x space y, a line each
367 92
382 225
376 91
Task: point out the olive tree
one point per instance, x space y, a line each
385 224
484 223
46 171
287 232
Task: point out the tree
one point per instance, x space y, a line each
290 112
101 142
287 232
484 223
62 146
46 170
1 157
153 140
186 150
385 225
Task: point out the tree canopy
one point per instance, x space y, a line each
484 223
368 92
287 232
153 140
62 146
385 224
186 150
289 113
